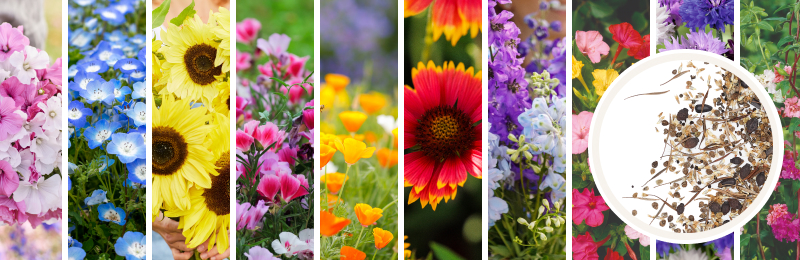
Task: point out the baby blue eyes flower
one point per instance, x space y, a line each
81 79
115 36
83 2
72 242
90 65
97 91
120 93
127 147
132 246
123 8
98 196
111 15
76 253
105 52
129 65
80 38
137 170
139 90
138 114
108 213
100 132
77 114
104 163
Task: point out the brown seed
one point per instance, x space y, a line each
691 142
760 179
655 164
752 125
669 218
735 204
727 182
677 194
682 114
680 208
736 160
691 217
663 222
664 122
634 212
745 171
655 205
726 207
715 207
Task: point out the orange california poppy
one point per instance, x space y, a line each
370 137
454 18
442 118
354 150
387 158
350 253
334 181
352 120
406 251
372 102
336 81
333 200
331 224
358 137
328 139
367 215
326 153
394 134
382 237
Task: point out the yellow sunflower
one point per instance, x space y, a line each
223 32
218 141
209 217
180 159
190 52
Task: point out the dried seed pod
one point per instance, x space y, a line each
752 125
727 182
745 170
680 208
682 114
736 160
760 179
691 142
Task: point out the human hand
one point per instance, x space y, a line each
213 253
173 236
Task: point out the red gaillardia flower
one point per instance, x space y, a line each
454 18
442 127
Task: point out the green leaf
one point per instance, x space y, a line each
601 10
782 71
88 245
784 40
780 19
160 13
500 250
639 21
744 240
746 18
765 26
749 40
621 248
444 253
187 12
793 125
643 251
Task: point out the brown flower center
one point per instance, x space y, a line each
218 197
199 61
444 132
169 150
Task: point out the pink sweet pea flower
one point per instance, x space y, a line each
247 30
243 141
591 44
308 115
268 187
587 206
243 60
580 131
11 40
276 46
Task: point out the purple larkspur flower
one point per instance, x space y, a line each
699 13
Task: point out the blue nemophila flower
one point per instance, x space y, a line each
77 114
139 41
121 92
100 132
76 253
81 79
80 38
104 163
110 15
115 36
84 2
138 114
129 65
73 242
142 55
98 196
98 91
127 146
139 91
92 65
122 110
132 245
137 171
123 7
108 213
130 50
104 52
90 23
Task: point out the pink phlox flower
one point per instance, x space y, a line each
587 206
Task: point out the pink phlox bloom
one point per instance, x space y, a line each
591 44
247 30
580 131
586 206
11 40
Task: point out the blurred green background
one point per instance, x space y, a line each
294 18
52 13
768 38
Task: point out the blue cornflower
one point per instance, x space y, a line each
115 36
80 38
139 91
104 52
99 91
127 146
111 15
107 212
138 114
699 13
98 196
104 163
121 92
81 79
129 65
663 248
132 245
76 253
722 243
77 114
100 132
92 65
137 171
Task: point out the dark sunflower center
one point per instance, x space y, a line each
218 197
199 61
444 132
169 150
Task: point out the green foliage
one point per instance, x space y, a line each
284 17
160 13
187 12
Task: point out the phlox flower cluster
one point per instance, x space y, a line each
30 132
785 225
274 147
702 17
107 121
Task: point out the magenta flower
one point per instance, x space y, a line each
293 187
587 206
271 164
792 107
9 179
580 131
591 44
243 141
584 247
288 154
277 44
267 134
11 119
243 60
269 187
247 30
11 40
249 216
308 115
785 225
788 169
296 66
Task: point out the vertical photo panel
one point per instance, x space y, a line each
527 134
107 122
442 128
768 50
609 37
358 129
191 136
275 129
